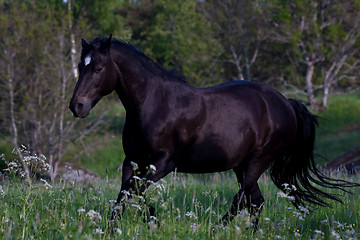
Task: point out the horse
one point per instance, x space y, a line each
171 125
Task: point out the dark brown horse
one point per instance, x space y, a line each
240 125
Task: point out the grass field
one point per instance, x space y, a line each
188 207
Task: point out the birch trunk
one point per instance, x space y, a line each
12 112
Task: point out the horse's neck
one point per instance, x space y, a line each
135 81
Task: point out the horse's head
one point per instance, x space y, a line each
98 76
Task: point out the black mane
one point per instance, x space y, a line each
121 44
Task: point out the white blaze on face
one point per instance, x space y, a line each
87 60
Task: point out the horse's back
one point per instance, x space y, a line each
241 118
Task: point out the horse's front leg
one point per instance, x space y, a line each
127 175
161 166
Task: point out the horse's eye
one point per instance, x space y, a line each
98 69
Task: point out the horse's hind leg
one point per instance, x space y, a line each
249 195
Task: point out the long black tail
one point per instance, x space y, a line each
297 168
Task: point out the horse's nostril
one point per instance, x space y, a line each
80 106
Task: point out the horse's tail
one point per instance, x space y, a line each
296 173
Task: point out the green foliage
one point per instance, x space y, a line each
176 35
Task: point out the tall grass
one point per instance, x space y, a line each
188 207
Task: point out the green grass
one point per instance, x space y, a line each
188 207
339 129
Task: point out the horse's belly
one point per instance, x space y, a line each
211 158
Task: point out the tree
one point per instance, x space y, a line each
36 73
323 37
241 29
176 35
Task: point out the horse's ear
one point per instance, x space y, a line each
84 44
107 45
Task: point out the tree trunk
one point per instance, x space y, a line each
12 113
309 86
73 44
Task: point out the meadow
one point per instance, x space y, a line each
187 206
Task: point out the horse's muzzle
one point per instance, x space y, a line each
80 107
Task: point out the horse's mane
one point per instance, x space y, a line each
155 68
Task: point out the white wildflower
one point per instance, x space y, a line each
267 219
284 195
2 193
118 231
152 168
126 193
93 215
80 210
98 231
191 215
298 215
335 234
134 165
319 232
194 227
338 224
47 185
137 178
324 221
117 208
136 206
304 210
153 218
112 201
278 237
